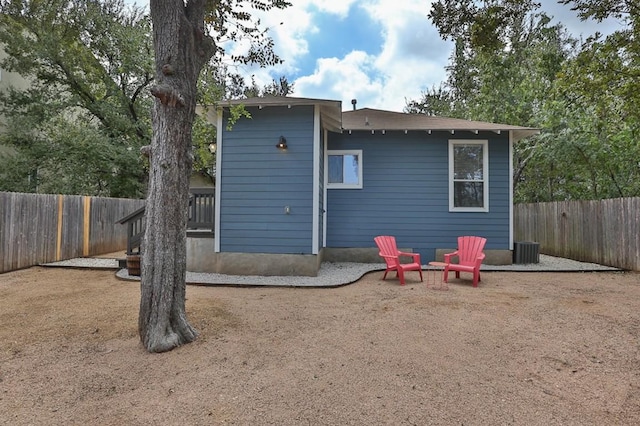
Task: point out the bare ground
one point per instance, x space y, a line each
522 349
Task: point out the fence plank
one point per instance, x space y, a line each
106 235
31 232
601 231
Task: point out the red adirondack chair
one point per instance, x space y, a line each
470 257
391 255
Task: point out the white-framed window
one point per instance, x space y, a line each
468 175
344 169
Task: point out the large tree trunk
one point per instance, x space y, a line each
181 50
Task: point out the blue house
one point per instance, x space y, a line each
301 182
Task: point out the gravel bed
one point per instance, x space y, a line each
86 262
337 274
330 275
551 264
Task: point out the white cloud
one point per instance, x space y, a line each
569 18
412 59
336 7
289 29
351 77
413 56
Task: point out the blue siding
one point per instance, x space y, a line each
258 180
406 193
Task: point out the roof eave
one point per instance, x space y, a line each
518 134
524 133
330 111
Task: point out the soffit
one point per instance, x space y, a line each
379 120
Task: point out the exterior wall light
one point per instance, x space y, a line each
282 143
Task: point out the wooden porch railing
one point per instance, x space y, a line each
135 230
201 203
201 214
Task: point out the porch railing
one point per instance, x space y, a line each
201 214
135 230
201 203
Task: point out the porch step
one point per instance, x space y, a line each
199 233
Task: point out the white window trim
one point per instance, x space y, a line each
357 152
485 174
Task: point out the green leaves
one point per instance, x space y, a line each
509 65
231 22
602 9
87 64
597 95
69 157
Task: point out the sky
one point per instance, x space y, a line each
380 52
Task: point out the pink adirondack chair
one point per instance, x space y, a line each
391 255
470 257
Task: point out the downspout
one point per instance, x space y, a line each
219 151
511 190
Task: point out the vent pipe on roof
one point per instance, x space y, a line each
354 102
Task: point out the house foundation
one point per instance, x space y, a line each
201 257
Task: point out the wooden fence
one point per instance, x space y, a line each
603 231
37 228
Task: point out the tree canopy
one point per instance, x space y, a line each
510 65
79 125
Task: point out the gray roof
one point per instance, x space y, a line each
375 119
330 110
271 100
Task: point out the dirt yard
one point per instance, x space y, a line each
522 349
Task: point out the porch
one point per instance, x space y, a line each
199 225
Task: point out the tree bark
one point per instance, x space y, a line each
179 46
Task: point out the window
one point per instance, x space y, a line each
344 169
468 175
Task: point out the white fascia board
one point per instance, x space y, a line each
219 151
315 228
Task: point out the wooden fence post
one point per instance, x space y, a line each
86 228
60 218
